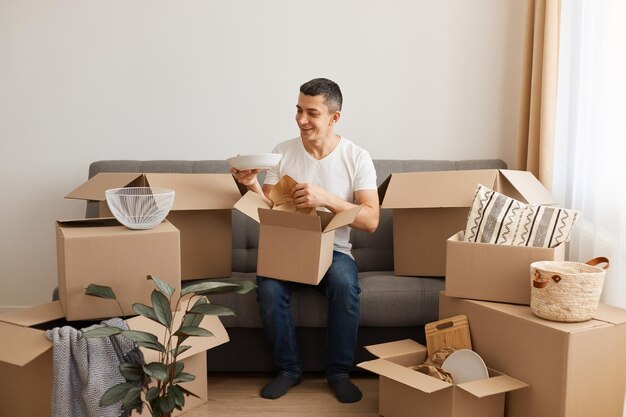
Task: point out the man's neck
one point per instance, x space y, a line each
319 149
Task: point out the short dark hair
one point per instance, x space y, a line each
327 88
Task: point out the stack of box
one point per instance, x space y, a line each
201 212
562 363
193 242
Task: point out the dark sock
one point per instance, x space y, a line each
278 387
345 390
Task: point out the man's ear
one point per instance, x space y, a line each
334 118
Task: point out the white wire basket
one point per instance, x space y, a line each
140 207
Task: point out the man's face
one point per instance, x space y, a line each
314 119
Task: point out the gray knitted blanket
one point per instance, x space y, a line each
85 368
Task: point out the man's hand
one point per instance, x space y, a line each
310 195
247 177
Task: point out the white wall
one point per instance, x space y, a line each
151 79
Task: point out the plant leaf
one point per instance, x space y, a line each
245 286
162 286
155 405
207 287
211 309
152 394
157 370
180 349
152 346
162 308
193 331
145 311
132 398
105 331
168 402
139 336
194 320
144 339
178 368
115 394
100 291
174 391
132 371
184 377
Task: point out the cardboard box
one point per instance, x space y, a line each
573 369
202 212
102 251
26 358
484 271
404 392
293 246
429 207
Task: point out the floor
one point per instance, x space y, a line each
237 395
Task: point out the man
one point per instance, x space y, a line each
334 174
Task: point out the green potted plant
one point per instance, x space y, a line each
157 385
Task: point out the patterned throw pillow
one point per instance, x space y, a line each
496 218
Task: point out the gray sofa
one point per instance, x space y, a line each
393 307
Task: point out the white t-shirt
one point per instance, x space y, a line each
348 168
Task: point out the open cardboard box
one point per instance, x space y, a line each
429 207
202 212
102 251
293 246
491 272
404 392
573 369
26 358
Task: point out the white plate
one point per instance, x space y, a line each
257 161
465 365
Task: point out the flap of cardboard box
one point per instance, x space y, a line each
198 344
523 186
94 188
290 220
32 316
91 222
343 218
495 385
22 344
198 191
250 203
397 348
193 191
435 189
404 375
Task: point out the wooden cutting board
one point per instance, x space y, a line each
453 331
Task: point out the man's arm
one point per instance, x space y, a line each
309 195
367 219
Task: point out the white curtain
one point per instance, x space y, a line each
590 136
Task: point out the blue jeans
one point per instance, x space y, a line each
340 285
